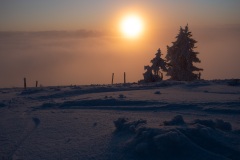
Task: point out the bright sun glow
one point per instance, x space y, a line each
131 26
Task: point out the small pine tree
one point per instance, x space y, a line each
181 56
153 73
158 63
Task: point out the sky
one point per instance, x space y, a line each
60 42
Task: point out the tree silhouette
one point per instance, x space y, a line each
181 56
158 63
148 76
153 73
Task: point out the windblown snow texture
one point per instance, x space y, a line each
165 120
192 141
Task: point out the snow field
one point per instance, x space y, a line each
198 120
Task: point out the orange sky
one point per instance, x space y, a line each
73 42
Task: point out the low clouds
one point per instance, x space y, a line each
58 57
86 57
54 34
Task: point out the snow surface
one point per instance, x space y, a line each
165 120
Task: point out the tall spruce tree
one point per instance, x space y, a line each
181 56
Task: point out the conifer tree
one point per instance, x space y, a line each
181 56
153 73
158 63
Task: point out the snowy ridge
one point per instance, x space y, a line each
115 104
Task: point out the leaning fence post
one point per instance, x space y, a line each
112 78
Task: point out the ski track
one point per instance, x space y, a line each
12 155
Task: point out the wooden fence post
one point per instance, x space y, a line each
112 78
25 82
36 84
124 77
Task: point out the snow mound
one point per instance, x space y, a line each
217 124
157 92
177 120
123 124
203 139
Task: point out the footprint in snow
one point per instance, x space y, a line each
36 121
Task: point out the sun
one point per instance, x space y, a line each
131 26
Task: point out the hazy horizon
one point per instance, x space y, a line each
64 43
